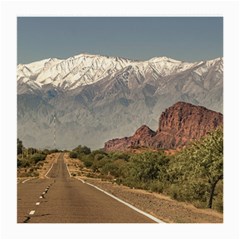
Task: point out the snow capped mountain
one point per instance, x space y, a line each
80 70
96 98
85 69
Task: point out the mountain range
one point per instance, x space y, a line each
89 99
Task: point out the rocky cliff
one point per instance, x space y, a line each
178 124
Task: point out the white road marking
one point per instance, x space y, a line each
127 204
27 180
44 193
81 180
48 171
40 197
37 203
32 212
68 170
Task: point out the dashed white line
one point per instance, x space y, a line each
37 203
40 197
32 212
127 204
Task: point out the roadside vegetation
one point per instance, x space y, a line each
29 160
194 174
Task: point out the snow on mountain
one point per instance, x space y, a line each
96 98
79 70
85 69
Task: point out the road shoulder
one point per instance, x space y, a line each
158 205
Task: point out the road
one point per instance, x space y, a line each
63 199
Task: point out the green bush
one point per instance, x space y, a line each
194 174
82 150
120 155
73 154
156 186
38 157
19 146
87 163
23 163
147 166
99 164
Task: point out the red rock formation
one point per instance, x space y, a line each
179 124
141 138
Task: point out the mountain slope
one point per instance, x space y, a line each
95 98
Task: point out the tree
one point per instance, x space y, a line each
201 162
82 150
73 154
19 146
209 154
36 157
148 166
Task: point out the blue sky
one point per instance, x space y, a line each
182 38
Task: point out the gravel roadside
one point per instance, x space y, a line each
158 205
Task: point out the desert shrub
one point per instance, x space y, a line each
174 192
82 150
99 156
99 164
109 168
19 163
218 197
38 157
156 186
87 162
147 166
32 151
39 164
23 163
120 155
19 146
73 154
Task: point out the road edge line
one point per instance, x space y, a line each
127 204
27 180
52 165
68 170
48 171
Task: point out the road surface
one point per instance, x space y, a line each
63 199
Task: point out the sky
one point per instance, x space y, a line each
137 38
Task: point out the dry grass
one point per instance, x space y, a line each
75 166
38 170
50 159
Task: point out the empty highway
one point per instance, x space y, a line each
62 199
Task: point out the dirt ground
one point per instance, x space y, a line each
50 159
41 171
158 205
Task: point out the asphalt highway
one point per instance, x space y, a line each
62 199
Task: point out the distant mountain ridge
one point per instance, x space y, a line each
95 98
178 125
85 69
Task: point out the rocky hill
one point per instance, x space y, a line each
178 125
